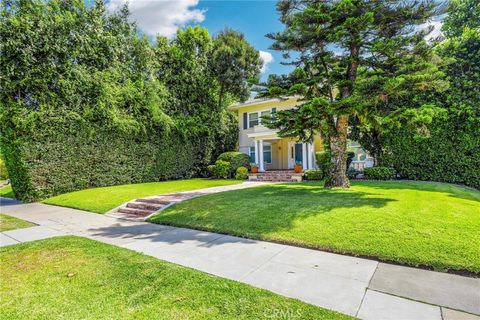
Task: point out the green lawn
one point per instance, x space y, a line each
416 223
78 278
7 192
12 223
103 199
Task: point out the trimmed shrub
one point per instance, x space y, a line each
324 162
241 173
221 169
379 173
236 160
313 174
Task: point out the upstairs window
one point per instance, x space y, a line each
252 119
255 118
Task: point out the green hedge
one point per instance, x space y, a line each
88 102
450 154
379 173
50 162
314 174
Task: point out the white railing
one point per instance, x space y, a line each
262 129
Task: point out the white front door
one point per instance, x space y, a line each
294 153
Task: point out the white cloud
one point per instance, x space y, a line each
162 17
266 58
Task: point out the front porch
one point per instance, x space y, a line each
273 153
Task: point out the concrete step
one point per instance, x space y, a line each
144 206
153 200
136 212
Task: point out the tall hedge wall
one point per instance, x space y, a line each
49 162
87 102
451 153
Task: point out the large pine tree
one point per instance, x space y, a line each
354 58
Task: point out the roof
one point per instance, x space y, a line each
252 102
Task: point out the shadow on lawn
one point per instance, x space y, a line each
454 191
258 211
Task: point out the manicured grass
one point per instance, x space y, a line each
7 192
12 223
101 200
78 278
415 223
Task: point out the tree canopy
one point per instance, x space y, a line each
76 73
355 58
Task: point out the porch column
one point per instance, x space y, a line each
256 152
311 156
304 156
260 153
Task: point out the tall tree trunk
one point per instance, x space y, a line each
338 145
338 140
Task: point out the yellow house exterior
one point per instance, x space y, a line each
277 153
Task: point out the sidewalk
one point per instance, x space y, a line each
359 287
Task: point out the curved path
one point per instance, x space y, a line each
359 287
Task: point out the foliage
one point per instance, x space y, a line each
379 173
314 174
87 102
234 61
104 199
133 286
450 151
355 58
241 173
221 169
236 160
415 223
462 14
3 170
324 162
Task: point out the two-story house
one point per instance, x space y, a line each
263 145
272 153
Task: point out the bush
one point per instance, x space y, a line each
221 169
3 170
379 173
314 174
324 162
236 160
242 173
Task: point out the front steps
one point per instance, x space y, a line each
139 209
276 176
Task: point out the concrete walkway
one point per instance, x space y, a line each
359 287
141 209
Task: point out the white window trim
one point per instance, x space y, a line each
251 150
259 113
